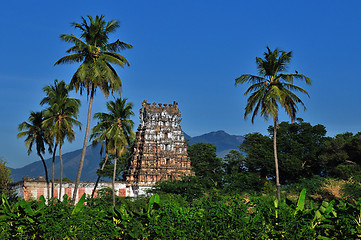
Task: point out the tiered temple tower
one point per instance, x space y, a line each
161 151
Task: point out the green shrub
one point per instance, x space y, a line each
352 190
213 216
313 185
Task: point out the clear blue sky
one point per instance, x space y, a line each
189 51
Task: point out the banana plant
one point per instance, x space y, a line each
357 218
152 205
123 219
79 206
301 201
323 216
21 217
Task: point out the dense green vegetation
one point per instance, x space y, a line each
230 198
306 157
216 216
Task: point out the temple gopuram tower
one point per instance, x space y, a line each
160 152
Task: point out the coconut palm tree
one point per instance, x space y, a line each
96 132
273 89
114 131
34 132
60 118
96 55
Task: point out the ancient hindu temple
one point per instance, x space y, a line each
161 150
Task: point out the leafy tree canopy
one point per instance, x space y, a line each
205 163
234 162
259 154
341 155
5 178
299 147
190 187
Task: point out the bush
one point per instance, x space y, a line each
244 182
189 187
352 190
313 185
213 216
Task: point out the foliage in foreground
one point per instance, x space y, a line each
171 217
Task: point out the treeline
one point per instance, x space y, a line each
307 158
304 151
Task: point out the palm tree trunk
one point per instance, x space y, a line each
102 168
46 175
278 186
53 171
84 146
61 172
113 181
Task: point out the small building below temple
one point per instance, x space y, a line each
32 189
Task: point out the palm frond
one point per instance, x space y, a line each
288 95
72 58
117 46
290 77
256 87
70 38
295 88
115 58
254 100
247 78
112 26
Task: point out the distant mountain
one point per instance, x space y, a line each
70 166
222 140
186 136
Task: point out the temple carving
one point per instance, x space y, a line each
161 151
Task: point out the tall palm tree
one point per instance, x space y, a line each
96 55
34 132
273 89
96 132
115 131
60 118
